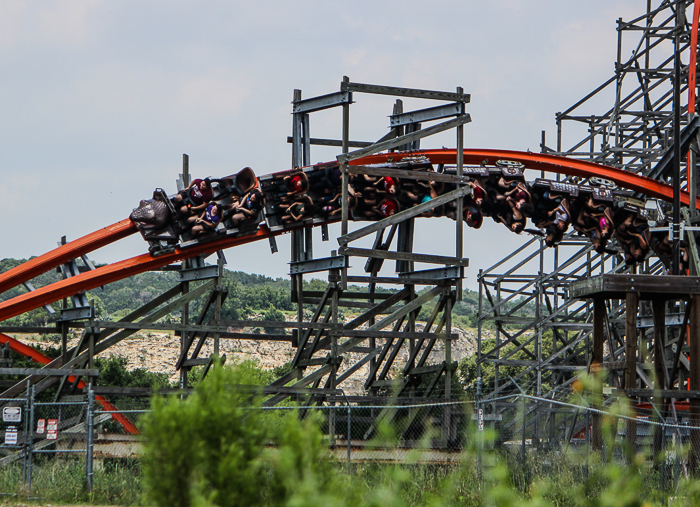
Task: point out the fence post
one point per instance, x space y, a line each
663 461
524 421
480 428
588 439
349 436
30 450
26 437
89 426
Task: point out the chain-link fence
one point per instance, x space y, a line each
13 444
89 443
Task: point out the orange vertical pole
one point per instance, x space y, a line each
693 59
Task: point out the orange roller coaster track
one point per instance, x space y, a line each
135 265
40 358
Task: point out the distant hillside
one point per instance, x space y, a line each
249 294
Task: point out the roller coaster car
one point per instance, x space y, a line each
314 181
473 170
636 209
154 220
557 187
226 190
600 194
413 163
237 184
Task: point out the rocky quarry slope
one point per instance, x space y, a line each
158 352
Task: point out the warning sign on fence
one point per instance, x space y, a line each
12 414
41 426
11 435
52 429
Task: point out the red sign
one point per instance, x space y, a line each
52 429
41 425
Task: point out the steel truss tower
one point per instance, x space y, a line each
532 336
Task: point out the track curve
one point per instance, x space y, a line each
543 162
64 253
139 264
35 355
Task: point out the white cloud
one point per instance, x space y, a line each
354 57
50 23
219 91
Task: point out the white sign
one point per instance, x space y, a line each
52 429
481 419
12 414
11 435
41 425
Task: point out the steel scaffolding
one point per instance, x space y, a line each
541 349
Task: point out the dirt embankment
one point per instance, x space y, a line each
158 352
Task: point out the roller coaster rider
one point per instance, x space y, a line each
478 193
515 219
557 226
521 197
195 197
292 186
387 184
325 179
634 235
297 211
473 216
247 208
384 209
331 206
207 220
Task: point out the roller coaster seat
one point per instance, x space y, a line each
237 184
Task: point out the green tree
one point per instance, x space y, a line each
208 447
274 315
113 372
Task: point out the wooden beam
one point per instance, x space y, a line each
404 92
659 309
307 333
404 256
404 139
389 280
408 175
29 329
335 142
404 215
694 382
596 363
381 307
316 375
62 372
416 335
357 365
616 286
664 393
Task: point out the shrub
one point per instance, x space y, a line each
205 447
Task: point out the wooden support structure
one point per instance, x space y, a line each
660 291
386 323
596 367
694 381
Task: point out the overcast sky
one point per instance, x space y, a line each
99 100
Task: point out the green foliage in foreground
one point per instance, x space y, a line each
212 449
62 481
